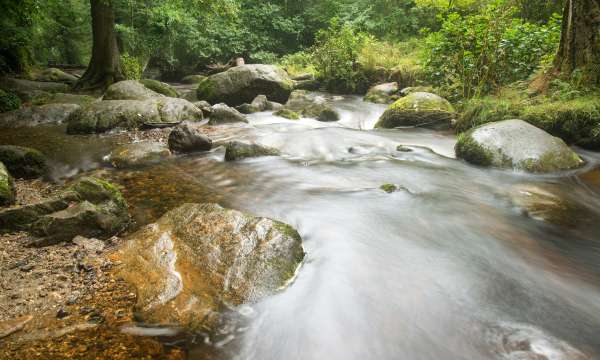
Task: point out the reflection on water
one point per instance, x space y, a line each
449 268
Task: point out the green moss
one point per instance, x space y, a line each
97 191
23 162
328 114
8 101
288 114
160 87
206 90
193 79
389 188
132 69
466 148
7 187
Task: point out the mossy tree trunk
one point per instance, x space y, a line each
580 41
105 66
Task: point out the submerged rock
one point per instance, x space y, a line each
106 115
37 115
187 138
518 145
237 150
139 154
129 90
241 84
160 87
223 114
200 259
418 109
383 93
7 187
23 162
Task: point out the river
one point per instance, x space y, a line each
448 267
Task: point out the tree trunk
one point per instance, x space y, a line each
105 66
580 41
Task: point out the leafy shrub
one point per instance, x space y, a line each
476 54
264 57
8 101
298 63
132 69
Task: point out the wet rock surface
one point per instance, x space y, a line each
139 154
23 162
187 137
237 150
383 93
129 90
223 114
198 260
311 106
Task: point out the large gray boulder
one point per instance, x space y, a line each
106 115
23 162
241 84
518 145
88 207
310 105
37 115
418 109
139 154
383 93
129 90
187 137
200 259
223 114
7 187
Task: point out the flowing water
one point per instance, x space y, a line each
448 267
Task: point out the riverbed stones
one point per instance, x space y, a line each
7 187
515 144
311 106
223 114
37 115
241 84
187 137
260 103
383 93
23 162
200 259
237 150
129 90
106 115
418 109
139 154
160 87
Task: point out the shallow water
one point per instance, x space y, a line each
447 268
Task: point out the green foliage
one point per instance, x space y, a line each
8 101
132 69
476 54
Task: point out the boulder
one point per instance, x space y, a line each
187 137
383 93
311 106
36 115
288 114
24 88
106 115
44 98
99 211
20 218
247 109
205 107
223 114
236 150
418 109
260 103
55 75
129 90
7 187
139 154
517 145
241 84
200 259
274 106
193 79
160 87
23 162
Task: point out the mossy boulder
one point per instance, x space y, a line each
383 93
236 150
129 90
23 162
37 115
139 154
328 114
24 88
106 115
288 114
200 259
518 145
160 87
241 84
418 109
54 75
187 137
45 98
7 187
260 103
193 79
311 106
223 114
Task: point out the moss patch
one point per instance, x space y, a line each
8 101
468 149
389 188
288 114
160 87
206 90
